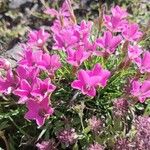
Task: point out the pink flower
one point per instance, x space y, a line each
109 42
83 30
141 90
41 60
119 12
143 63
131 32
4 64
30 57
42 88
63 11
8 83
58 26
38 110
73 36
28 73
38 38
88 80
77 57
101 73
65 39
113 23
51 63
134 52
23 91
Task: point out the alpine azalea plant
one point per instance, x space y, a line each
87 87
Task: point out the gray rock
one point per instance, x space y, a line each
12 55
17 3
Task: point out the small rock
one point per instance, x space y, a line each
17 3
12 55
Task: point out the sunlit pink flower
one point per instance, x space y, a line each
77 57
9 82
38 37
141 90
30 57
28 73
42 88
113 23
109 42
73 36
119 12
38 110
88 80
4 64
85 83
50 63
23 91
65 39
143 62
83 30
103 74
131 32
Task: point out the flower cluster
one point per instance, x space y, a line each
120 107
68 136
95 146
95 124
26 80
142 139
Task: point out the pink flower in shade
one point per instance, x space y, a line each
8 83
42 88
143 63
119 12
109 42
4 64
38 37
23 91
77 57
131 32
113 23
38 110
58 26
141 90
51 63
63 11
134 52
88 80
